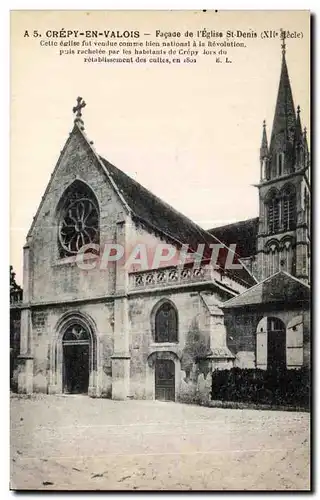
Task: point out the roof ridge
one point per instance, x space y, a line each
269 278
205 235
251 219
161 200
98 157
296 279
251 288
170 207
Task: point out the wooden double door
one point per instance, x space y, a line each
276 344
165 380
76 368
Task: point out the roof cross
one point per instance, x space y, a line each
77 109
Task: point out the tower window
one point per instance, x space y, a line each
287 255
266 169
272 258
288 208
273 214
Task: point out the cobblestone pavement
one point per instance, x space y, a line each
74 442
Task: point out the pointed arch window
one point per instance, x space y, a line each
272 257
288 208
166 323
267 169
280 164
79 216
287 255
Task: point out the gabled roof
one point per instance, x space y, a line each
152 212
156 213
281 287
242 233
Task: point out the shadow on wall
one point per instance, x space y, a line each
106 389
14 371
195 377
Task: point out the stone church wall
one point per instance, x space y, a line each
44 323
136 235
194 339
242 327
54 278
241 332
193 335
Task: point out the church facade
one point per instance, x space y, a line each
95 320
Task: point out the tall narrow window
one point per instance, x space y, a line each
166 324
273 213
288 208
272 257
274 260
280 163
287 256
265 169
79 219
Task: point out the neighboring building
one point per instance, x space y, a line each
15 304
269 324
125 333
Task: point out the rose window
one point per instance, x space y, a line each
79 225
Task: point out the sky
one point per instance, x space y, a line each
190 133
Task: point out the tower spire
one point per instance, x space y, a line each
298 127
264 142
284 123
264 152
283 45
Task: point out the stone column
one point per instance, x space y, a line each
302 261
121 355
221 357
25 377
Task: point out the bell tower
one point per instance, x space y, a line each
284 190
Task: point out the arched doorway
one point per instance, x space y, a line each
163 375
164 380
76 354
